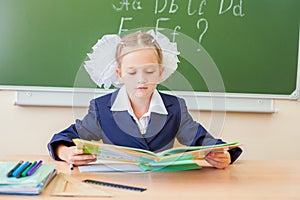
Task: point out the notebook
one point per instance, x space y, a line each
29 185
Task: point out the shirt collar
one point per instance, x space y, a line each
122 103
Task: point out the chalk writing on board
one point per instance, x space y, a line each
237 9
127 5
172 7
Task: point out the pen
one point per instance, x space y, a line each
19 175
34 168
10 173
71 166
20 168
24 173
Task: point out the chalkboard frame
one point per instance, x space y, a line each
294 95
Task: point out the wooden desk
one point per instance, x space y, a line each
243 180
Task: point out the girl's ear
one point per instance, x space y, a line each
119 74
162 69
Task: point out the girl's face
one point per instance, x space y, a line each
140 72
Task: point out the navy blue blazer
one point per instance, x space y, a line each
119 128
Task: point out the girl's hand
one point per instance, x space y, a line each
219 160
74 156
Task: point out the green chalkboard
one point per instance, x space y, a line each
253 43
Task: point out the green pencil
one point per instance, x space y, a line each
24 173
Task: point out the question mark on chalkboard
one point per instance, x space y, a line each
204 30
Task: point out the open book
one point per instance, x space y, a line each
178 158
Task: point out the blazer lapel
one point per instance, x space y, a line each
156 124
158 121
125 122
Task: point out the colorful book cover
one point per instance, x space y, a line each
178 158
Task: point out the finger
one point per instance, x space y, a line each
219 165
220 154
221 157
217 159
212 162
82 162
76 151
83 157
214 159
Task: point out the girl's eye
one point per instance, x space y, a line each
131 72
150 72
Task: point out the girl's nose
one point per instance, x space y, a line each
141 78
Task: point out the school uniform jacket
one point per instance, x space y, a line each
119 128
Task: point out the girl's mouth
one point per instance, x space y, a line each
142 88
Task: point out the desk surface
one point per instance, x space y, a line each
246 179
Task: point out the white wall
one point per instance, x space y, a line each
27 130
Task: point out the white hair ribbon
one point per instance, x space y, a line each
102 63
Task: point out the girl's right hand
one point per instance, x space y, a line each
74 156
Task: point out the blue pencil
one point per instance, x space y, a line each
20 168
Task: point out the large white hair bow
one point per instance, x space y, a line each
102 63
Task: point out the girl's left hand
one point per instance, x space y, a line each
219 160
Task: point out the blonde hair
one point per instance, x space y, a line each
137 41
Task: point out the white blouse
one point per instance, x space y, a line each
122 103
